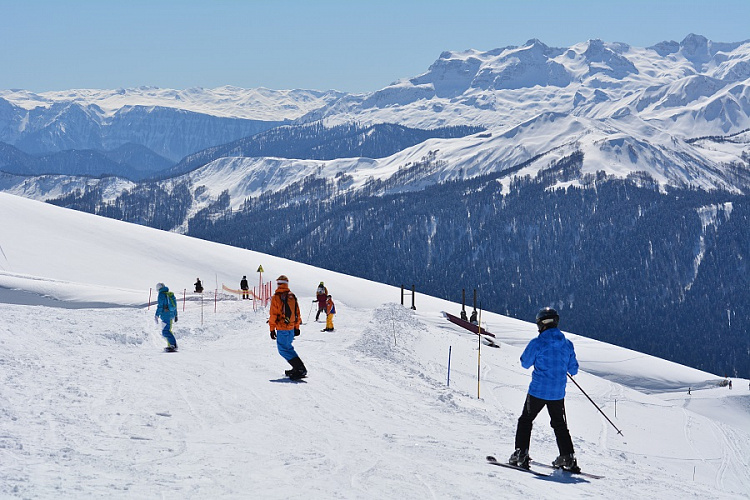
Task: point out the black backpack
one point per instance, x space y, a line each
287 308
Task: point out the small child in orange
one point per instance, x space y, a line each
330 311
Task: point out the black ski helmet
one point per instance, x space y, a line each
547 318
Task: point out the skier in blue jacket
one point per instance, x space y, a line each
166 310
553 357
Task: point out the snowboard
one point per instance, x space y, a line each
296 379
493 461
170 349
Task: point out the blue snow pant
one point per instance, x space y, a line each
166 332
284 339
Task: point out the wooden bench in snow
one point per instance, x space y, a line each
483 333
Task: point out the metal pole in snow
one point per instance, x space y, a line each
449 365
184 294
148 305
479 351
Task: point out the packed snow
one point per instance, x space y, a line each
91 407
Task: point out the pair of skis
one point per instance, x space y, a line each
493 461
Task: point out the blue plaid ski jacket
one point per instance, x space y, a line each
553 357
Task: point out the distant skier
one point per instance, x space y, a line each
166 311
330 311
321 294
284 322
553 357
198 286
245 288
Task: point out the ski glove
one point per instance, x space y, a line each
273 334
296 332
175 318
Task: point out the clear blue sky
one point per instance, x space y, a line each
349 45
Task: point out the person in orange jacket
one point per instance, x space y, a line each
330 311
284 321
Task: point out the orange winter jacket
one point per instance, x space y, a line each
284 317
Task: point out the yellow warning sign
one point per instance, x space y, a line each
260 269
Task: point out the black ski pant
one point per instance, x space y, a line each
556 410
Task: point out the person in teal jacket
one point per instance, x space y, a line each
553 357
166 311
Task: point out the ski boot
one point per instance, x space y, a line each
520 458
567 462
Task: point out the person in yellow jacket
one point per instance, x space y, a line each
284 322
330 311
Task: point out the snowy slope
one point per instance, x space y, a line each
46 187
92 408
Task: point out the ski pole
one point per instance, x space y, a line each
592 402
311 308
